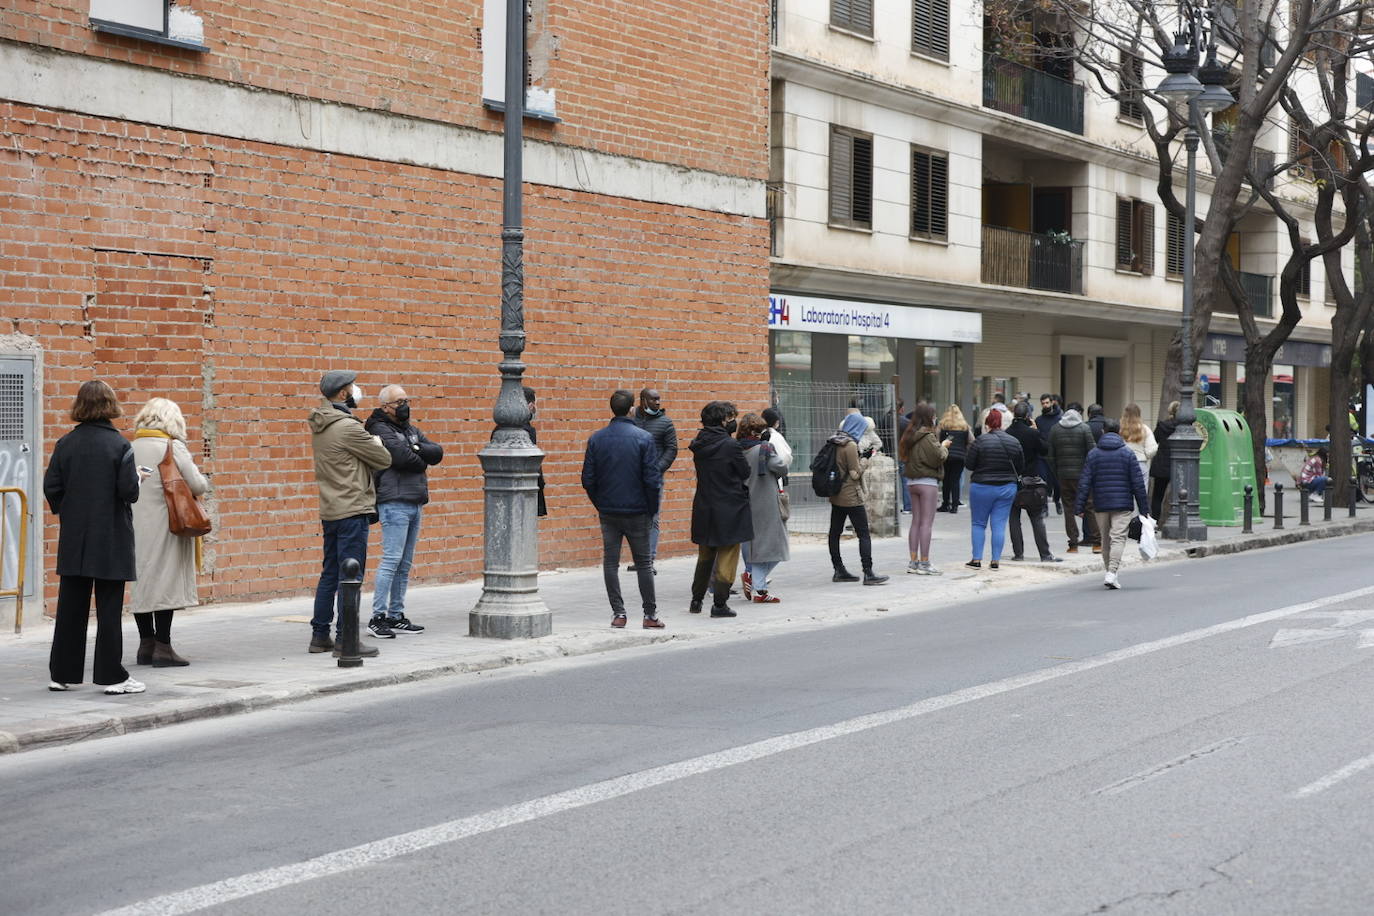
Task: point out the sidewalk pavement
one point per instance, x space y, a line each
253 656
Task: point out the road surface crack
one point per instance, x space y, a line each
1218 870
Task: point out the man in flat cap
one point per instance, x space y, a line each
345 457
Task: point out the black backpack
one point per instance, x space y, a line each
825 471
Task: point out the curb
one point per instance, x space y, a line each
1288 536
70 733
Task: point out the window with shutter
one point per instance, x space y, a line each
853 15
851 178
1173 246
930 27
1125 252
929 194
1299 150
1145 236
1132 78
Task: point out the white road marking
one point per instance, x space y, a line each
1130 782
1344 773
366 854
1341 626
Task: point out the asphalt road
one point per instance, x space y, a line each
1200 742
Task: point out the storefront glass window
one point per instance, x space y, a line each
872 360
791 356
1283 402
937 379
1209 393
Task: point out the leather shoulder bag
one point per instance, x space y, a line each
185 517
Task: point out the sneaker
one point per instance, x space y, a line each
722 610
931 570
915 568
363 652
321 644
129 686
1051 559
653 623
403 625
58 685
1111 581
380 628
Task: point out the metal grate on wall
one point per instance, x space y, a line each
11 407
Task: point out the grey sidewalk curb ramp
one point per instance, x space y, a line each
244 700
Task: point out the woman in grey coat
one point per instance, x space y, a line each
166 562
769 546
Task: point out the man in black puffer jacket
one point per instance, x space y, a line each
653 419
401 490
1113 480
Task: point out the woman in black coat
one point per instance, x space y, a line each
91 484
1161 465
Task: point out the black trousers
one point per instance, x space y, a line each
1037 523
67 662
635 529
954 477
858 517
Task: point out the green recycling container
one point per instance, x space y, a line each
1226 466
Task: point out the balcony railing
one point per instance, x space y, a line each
1259 292
1261 160
1031 261
1028 93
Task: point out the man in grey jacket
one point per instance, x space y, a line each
651 418
401 490
1071 440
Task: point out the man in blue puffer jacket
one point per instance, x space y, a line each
621 476
1112 477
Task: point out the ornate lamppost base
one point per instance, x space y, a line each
510 606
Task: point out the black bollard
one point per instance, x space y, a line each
1249 527
1302 507
1326 503
350 592
1278 506
1353 497
1182 514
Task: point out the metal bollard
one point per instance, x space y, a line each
350 592
1182 516
1278 506
1326 504
1302 507
1249 527
1353 497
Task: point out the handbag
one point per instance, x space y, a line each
784 505
185 517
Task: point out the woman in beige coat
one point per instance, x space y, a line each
166 562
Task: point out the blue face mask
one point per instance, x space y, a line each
651 413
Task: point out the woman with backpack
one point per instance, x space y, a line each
838 473
923 466
995 463
954 428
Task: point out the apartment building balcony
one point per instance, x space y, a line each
1029 260
1025 92
1261 160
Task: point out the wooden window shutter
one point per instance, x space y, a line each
841 177
863 16
930 27
1130 105
929 195
1123 234
1145 239
939 196
920 193
862 184
1173 246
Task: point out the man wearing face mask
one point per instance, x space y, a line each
401 490
345 457
652 418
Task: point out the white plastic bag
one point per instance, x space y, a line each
1149 547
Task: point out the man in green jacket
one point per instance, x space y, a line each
345 457
1070 441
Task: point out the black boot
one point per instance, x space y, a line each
872 578
843 575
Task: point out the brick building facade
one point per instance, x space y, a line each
320 188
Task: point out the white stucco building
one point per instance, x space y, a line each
911 170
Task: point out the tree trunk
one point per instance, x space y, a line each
1259 362
1339 452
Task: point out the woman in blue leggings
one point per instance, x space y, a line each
995 463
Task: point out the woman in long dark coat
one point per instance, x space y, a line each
91 485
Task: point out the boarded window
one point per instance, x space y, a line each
930 27
854 15
929 194
851 178
1135 236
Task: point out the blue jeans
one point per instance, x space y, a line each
400 529
1318 484
991 504
344 539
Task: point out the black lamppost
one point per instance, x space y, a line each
510 606
1196 98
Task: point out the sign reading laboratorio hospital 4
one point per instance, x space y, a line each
872 319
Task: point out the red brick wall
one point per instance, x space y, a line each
232 274
682 82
